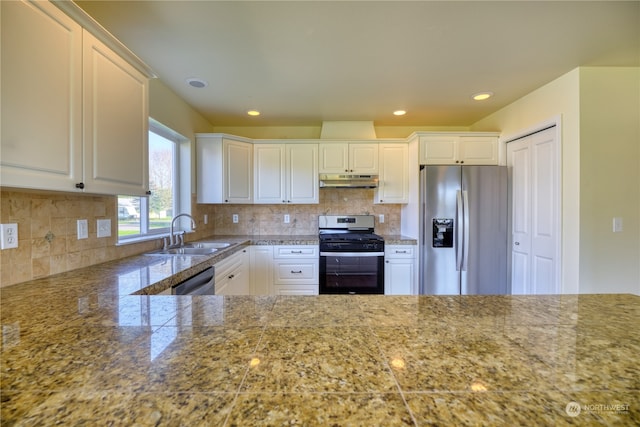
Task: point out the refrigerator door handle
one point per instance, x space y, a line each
459 229
466 232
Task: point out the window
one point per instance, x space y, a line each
150 216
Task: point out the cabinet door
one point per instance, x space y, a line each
393 185
478 150
238 167
232 274
261 270
398 276
334 158
363 158
439 150
41 97
116 122
269 173
302 173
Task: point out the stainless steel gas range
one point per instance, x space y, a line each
351 255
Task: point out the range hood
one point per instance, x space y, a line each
348 181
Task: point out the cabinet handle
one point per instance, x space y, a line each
296 272
296 252
401 252
80 185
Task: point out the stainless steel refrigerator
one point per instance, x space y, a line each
463 230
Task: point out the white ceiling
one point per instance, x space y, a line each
304 62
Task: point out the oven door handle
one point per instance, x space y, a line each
352 254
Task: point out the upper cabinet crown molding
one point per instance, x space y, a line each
88 23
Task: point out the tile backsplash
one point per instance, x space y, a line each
257 220
47 226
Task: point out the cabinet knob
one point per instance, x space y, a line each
517 243
149 193
80 185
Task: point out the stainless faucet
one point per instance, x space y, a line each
172 239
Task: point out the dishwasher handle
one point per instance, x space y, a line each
202 283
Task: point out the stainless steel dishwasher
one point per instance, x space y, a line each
202 283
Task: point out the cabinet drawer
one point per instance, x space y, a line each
296 272
400 251
296 251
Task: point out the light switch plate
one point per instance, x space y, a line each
104 227
83 229
8 236
287 219
617 224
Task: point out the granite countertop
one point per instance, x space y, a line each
77 348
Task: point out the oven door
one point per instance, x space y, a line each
351 273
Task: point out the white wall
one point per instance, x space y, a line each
609 179
600 122
559 98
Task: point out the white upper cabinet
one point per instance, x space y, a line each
302 173
458 149
336 157
238 171
224 169
116 122
74 113
393 182
41 97
286 173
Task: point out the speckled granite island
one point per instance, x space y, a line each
79 349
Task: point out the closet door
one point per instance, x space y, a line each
535 213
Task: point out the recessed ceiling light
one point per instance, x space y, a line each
481 96
253 112
197 83
399 113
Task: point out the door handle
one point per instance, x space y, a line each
466 231
458 227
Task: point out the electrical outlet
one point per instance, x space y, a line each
83 229
381 218
235 218
104 227
8 236
287 219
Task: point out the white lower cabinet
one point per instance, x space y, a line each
400 270
233 274
284 270
261 270
295 270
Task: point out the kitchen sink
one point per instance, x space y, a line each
184 251
207 245
194 248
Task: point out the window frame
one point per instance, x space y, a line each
180 143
